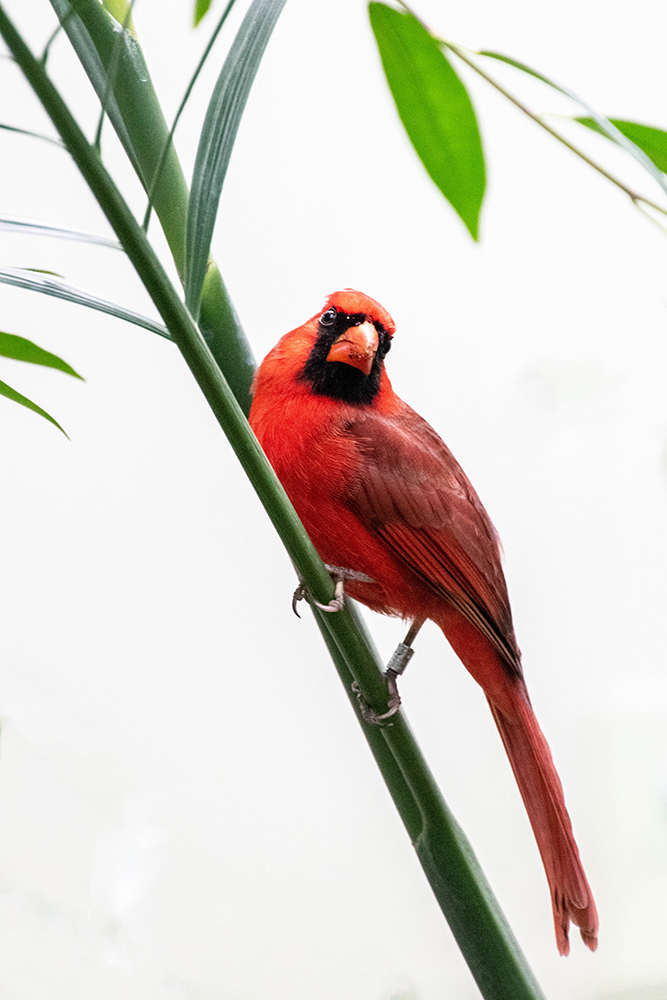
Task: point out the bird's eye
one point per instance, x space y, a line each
385 345
328 318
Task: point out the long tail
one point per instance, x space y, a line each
542 793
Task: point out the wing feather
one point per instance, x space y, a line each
411 492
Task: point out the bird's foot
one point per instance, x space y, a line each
339 574
303 594
369 714
397 664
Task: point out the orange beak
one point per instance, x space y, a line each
356 347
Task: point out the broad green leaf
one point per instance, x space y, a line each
21 278
435 109
43 229
604 125
201 10
21 349
16 397
216 142
653 141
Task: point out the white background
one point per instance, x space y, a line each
188 810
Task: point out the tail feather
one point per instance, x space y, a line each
542 793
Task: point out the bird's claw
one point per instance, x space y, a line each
303 594
368 714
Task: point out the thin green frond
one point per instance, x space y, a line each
12 225
23 278
181 109
218 135
33 135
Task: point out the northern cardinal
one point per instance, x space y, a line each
381 495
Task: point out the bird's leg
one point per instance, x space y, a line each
397 664
339 574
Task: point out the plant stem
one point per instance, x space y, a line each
111 78
634 196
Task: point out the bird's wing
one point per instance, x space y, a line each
410 491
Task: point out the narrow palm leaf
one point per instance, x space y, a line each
181 107
141 127
23 278
17 397
217 139
33 135
131 105
70 18
604 125
21 349
435 109
12 225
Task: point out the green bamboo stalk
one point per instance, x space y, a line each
490 949
135 113
445 854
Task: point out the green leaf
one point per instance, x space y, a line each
141 127
33 135
87 53
653 141
201 10
435 109
16 397
181 107
132 107
13 225
218 135
20 278
21 349
605 126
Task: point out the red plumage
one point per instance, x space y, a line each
380 493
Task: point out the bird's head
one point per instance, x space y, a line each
352 335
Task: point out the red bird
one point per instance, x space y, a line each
380 494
